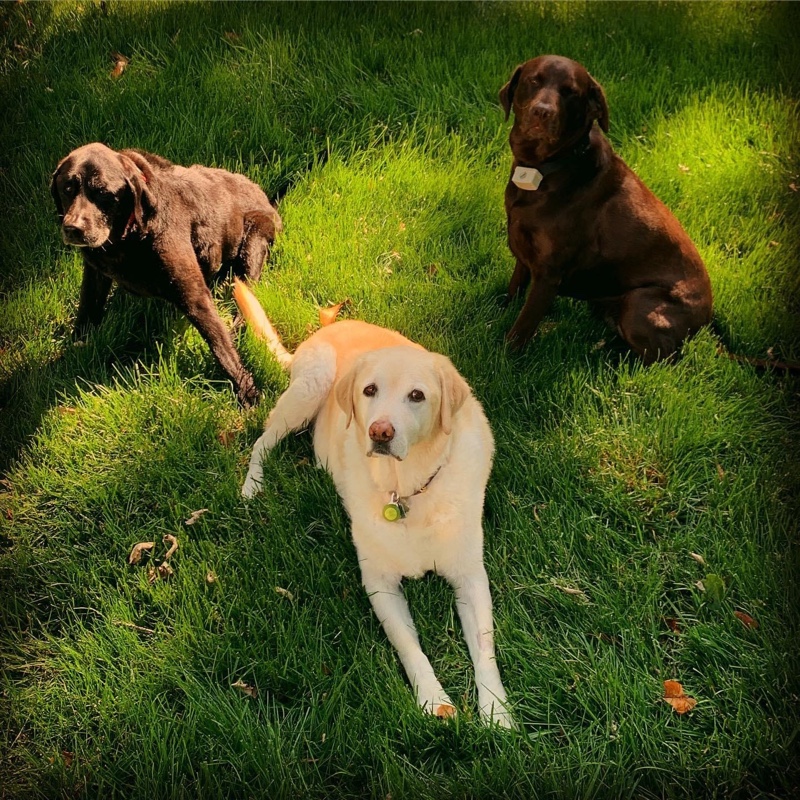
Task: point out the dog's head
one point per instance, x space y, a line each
555 102
99 195
399 397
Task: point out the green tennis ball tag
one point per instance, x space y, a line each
392 512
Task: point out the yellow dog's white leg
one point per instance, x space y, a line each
391 608
313 373
474 603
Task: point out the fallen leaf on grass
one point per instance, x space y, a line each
570 590
226 438
773 243
699 559
211 577
599 345
683 168
163 571
138 551
793 186
120 63
675 696
746 619
714 587
672 624
68 758
194 516
284 593
245 688
327 316
171 540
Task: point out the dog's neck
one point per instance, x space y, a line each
414 472
560 159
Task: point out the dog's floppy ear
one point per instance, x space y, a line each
140 179
54 191
344 392
598 105
507 92
455 391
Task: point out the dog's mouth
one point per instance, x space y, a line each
546 131
76 239
382 449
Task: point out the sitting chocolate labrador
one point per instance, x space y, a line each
161 230
582 225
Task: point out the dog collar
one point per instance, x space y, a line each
528 178
398 507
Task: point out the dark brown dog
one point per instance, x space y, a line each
161 230
592 230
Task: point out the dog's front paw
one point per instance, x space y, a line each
251 487
497 714
439 705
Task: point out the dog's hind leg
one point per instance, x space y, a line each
313 373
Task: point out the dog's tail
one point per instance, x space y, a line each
251 310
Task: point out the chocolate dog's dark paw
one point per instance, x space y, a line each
516 341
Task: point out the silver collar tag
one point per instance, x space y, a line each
527 178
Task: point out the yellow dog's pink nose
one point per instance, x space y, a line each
381 431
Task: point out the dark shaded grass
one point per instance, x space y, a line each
378 125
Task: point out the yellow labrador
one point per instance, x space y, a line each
410 452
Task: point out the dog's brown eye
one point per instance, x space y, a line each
370 390
416 396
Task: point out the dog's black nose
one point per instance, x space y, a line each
381 431
73 231
544 111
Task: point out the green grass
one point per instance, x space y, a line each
380 128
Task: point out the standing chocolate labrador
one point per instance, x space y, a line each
161 230
582 225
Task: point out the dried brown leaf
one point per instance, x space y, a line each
138 551
672 624
746 619
245 688
162 571
683 168
677 698
571 590
120 64
284 593
211 577
194 516
682 704
699 559
171 540
226 438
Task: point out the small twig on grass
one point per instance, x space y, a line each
121 623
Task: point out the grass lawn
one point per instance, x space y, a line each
615 490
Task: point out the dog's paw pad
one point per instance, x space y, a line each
444 711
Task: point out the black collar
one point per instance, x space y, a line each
551 165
